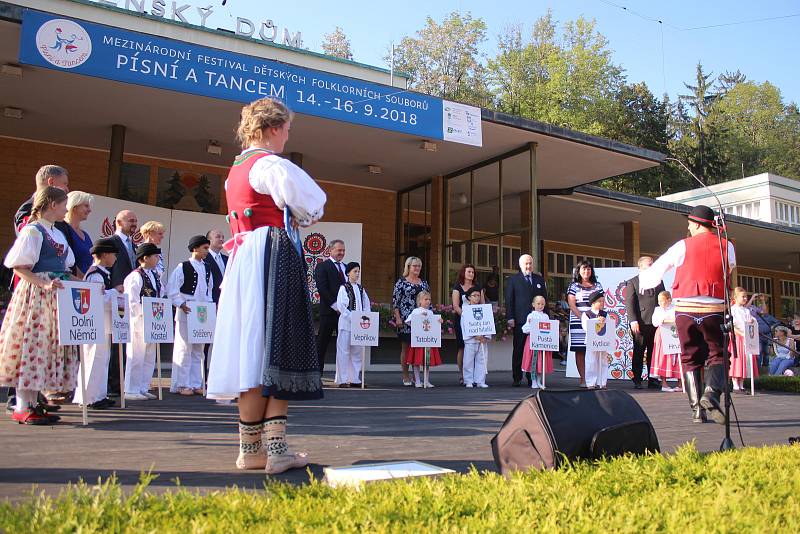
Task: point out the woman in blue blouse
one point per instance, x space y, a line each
79 206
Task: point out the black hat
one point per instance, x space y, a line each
470 291
103 245
597 295
350 266
146 249
198 241
702 215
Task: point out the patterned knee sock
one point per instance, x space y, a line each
275 435
250 438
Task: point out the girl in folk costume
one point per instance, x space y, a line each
30 357
742 320
190 281
141 357
264 350
596 360
351 299
97 357
665 365
476 348
532 359
415 356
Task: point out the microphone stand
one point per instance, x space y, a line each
727 319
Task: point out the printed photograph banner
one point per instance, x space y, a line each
364 329
477 320
601 335
426 331
751 343
158 323
544 335
201 321
120 320
81 314
669 338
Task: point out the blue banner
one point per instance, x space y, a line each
105 52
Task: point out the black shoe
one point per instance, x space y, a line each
11 403
345 385
637 384
652 383
693 386
353 385
516 384
715 382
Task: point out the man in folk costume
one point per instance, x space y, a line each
141 357
190 281
699 296
350 300
97 356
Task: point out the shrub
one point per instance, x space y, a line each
776 383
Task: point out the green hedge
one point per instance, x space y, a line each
747 490
776 383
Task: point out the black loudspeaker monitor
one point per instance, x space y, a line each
546 428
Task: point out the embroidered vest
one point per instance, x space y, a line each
190 278
249 209
106 276
147 286
351 295
700 274
52 255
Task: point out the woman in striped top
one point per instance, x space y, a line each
584 283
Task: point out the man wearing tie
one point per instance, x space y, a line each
640 307
126 223
216 261
329 275
520 290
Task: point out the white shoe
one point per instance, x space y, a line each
149 395
429 385
224 402
134 397
483 385
417 384
467 385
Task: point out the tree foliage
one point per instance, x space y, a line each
337 44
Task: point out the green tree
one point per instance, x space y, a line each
443 59
174 192
203 196
337 44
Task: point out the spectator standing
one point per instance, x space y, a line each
329 275
464 283
520 290
404 301
79 206
584 284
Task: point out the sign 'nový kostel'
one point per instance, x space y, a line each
266 30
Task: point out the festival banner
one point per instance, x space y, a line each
601 335
751 344
477 320
81 314
426 330
544 335
201 321
158 325
670 343
120 320
364 327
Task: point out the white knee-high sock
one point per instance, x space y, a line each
26 399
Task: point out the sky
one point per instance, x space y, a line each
763 50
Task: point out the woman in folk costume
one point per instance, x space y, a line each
30 357
264 350
351 299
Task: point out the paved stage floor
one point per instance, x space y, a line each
195 441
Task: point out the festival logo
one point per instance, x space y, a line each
158 311
81 300
426 325
365 322
202 314
63 43
477 314
544 326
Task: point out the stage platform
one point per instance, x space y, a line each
194 440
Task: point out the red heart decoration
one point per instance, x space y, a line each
616 373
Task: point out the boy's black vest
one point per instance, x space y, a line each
190 278
591 315
147 286
106 276
351 296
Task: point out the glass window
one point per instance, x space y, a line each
135 183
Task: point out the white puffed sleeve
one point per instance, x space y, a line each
741 316
526 328
25 250
342 301
133 287
289 186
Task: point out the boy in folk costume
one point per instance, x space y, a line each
141 357
596 360
351 299
476 349
97 356
190 281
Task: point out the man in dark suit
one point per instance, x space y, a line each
329 275
216 261
520 290
640 307
126 223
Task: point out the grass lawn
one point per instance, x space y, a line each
743 491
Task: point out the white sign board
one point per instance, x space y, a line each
477 320
120 320
158 325
461 123
751 343
670 344
426 330
201 321
544 335
601 337
364 327
81 314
